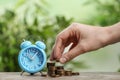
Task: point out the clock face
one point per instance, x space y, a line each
32 59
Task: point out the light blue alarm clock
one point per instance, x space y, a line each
32 57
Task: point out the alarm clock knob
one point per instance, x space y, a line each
40 44
25 44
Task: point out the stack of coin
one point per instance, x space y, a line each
57 71
51 69
60 70
68 73
50 64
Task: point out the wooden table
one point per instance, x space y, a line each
82 76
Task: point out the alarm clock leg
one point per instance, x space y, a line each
40 72
31 73
22 73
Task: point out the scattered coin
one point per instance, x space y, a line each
44 75
75 73
57 75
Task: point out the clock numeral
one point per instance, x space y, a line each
27 54
31 67
29 50
34 67
22 59
40 59
34 50
24 63
24 55
39 64
39 55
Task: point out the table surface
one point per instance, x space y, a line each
82 76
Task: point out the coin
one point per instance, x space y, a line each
57 71
51 68
44 75
59 67
75 73
50 64
60 72
51 72
68 73
52 75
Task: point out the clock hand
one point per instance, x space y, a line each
34 56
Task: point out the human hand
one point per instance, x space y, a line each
84 38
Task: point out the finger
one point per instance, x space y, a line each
51 56
58 49
61 42
72 54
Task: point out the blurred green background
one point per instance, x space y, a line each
43 19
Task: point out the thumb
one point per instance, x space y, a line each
72 54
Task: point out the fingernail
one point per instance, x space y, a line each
63 60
